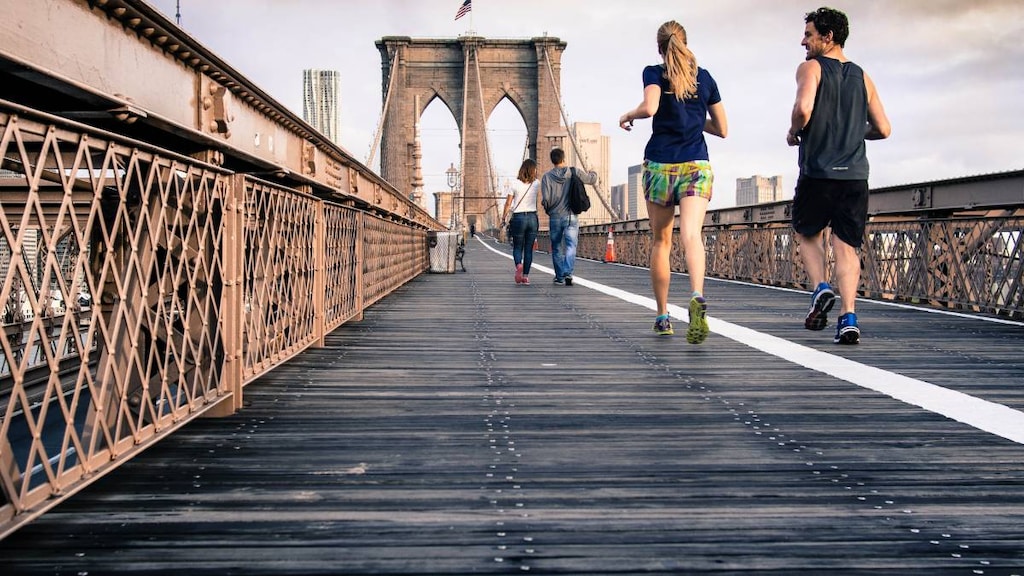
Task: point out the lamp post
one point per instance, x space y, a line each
453 183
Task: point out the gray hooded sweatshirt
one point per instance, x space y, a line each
554 189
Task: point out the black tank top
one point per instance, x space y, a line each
832 143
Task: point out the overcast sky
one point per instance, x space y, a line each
949 73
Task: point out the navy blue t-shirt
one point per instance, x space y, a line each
678 125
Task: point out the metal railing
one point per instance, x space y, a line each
965 259
197 281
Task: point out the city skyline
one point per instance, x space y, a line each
951 93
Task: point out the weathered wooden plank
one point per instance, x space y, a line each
468 425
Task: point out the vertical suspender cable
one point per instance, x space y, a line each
491 176
462 132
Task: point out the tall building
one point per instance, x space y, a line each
635 203
595 153
758 190
320 100
618 202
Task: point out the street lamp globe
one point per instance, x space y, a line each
453 176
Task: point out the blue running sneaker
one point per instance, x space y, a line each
663 326
822 301
698 330
847 331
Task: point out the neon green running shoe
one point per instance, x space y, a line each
663 326
698 330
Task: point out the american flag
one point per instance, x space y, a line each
464 9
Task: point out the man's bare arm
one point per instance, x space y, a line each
878 123
808 75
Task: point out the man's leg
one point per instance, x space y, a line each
812 253
572 236
847 273
557 230
847 278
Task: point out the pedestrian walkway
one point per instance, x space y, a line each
472 425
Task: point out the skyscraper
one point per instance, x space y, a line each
758 189
635 202
321 96
594 153
618 202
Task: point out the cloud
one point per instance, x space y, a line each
948 71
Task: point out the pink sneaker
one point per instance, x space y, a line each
519 273
526 280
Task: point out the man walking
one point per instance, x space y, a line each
563 225
837 108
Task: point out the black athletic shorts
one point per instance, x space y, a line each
841 204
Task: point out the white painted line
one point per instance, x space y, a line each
990 417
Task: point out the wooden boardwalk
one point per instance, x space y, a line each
471 426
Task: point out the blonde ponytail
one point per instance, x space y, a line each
680 63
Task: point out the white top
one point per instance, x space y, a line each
524 196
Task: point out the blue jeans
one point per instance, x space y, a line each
524 234
565 233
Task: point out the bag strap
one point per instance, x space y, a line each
567 187
513 211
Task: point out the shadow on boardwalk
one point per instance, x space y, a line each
469 425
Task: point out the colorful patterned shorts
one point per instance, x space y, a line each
668 184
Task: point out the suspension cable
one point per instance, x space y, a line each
572 137
383 114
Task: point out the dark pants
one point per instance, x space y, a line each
524 234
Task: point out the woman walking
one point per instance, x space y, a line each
521 206
684 101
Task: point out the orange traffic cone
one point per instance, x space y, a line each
609 249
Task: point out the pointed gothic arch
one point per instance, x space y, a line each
503 111
471 75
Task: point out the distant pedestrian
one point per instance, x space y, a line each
521 213
684 101
564 226
837 108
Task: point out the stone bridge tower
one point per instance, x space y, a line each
471 75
